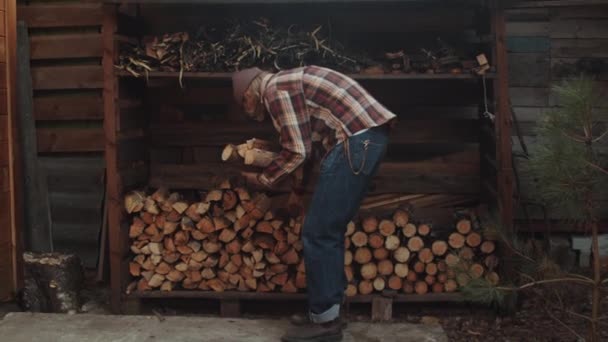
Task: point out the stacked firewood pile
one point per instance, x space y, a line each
399 255
238 45
230 239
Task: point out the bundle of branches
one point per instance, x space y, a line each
237 46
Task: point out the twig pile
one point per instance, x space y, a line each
238 46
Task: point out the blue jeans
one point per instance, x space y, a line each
336 199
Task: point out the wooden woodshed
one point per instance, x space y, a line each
91 116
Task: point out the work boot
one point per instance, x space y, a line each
300 320
315 332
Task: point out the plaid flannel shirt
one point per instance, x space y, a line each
314 104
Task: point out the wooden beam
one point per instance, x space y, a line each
113 186
15 247
77 106
79 45
67 77
76 14
70 140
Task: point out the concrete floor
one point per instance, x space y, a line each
27 327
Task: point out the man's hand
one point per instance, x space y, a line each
253 181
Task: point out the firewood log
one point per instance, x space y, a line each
234 246
348 257
291 257
365 287
463 226
487 247
363 255
395 282
369 271
369 224
385 267
259 158
456 240
230 154
381 253
375 240
421 287
450 285
392 242
473 239
359 239
409 230
463 279
134 201
137 228
439 247
437 287
492 278
227 235
442 266
452 259
401 254
431 268
419 267
379 284
205 225
476 271
412 276
415 244
211 247
466 253
351 290
424 229
156 280
216 285
349 273
134 269
264 227
401 270
386 227
426 255
350 228
401 218
180 206
429 279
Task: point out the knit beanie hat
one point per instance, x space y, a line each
241 81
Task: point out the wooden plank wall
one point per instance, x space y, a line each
66 49
545 45
9 173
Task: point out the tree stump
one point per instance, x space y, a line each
52 282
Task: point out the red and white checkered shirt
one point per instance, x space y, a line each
315 104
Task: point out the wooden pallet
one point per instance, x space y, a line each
230 302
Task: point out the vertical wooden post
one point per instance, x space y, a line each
503 121
10 212
113 190
382 308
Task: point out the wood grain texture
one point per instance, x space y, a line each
70 140
67 77
41 15
76 45
78 106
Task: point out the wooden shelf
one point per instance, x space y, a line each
226 76
232 295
